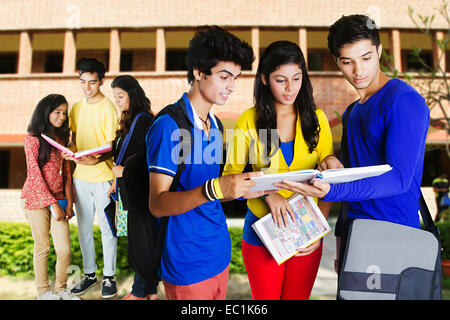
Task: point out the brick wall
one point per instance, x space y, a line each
332 94
63 14
10 208
331 91
23 93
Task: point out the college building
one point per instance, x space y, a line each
40 42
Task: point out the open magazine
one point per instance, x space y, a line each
99 150
309 226
267 181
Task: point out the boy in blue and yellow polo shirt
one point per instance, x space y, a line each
196 251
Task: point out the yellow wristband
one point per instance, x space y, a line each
216 186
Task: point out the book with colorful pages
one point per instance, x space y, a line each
309 226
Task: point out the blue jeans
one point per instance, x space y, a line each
142 287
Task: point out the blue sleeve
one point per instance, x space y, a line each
406 130
162 145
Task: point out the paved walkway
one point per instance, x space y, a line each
326 281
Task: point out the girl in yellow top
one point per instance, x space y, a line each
283 132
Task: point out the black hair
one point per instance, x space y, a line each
276 54
91 65
40 124
349 29
212 44
138 101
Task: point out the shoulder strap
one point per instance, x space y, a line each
178 113
344 142
426 217
123 149
219 125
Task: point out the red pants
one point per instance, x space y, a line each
292 280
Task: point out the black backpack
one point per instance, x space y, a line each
146 234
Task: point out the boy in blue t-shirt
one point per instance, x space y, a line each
387 125
197 249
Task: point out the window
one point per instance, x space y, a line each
4 164
100 55
417 62
447 61
9 49
315 61
137 50
8 63
53 62
321 60
126 61
175 59
93 44
48 50
410 40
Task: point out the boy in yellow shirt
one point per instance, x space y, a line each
93 121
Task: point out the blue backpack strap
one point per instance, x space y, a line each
178 113
127 139
123 149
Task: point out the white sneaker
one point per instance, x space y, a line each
66 294
48 295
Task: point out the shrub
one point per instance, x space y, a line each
237 262
16 251
444 234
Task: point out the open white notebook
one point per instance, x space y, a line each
267 181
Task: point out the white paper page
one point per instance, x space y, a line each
266 182
352 174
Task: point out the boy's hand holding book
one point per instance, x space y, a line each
238 185
87 160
